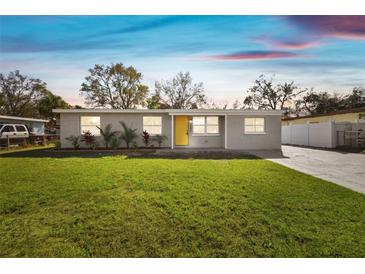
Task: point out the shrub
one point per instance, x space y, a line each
159 139
75 141
89 139
107 134
57 144
146 138
114 143
128 134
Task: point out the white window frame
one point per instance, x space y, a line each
160 125
82 125
254 132
205 127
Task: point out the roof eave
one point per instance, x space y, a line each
174 111
23 119
346 111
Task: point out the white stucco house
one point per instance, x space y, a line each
228 129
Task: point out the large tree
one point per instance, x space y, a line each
178 93
223 104
114 86
47 103
356 99
19 94
322 102
264 94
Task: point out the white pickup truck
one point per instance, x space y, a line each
13 131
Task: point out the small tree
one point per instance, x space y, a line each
107 134
159 139
74 140
128 134
146 138
89 139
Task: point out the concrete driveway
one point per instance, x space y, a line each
345 169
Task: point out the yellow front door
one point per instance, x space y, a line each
181 130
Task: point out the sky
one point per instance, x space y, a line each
226 53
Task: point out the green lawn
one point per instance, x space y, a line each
115 206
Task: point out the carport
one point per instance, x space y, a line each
35 126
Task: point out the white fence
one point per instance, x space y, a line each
314 135
350 134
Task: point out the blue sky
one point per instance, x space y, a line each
227 53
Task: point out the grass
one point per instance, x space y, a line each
115 206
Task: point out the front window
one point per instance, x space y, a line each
90 123
254 125
152 124
205 125
212 125
199 125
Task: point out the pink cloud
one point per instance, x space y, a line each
289 45
338 26
253 55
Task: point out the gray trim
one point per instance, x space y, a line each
174 111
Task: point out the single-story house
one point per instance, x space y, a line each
354 115
35 126
198 128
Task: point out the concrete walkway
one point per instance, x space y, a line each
345 169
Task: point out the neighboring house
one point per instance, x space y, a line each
230 129
35 126
350 115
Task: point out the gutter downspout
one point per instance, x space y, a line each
172 131
225 131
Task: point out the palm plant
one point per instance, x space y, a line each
74 140
159 139
128 134
107 134
114 143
